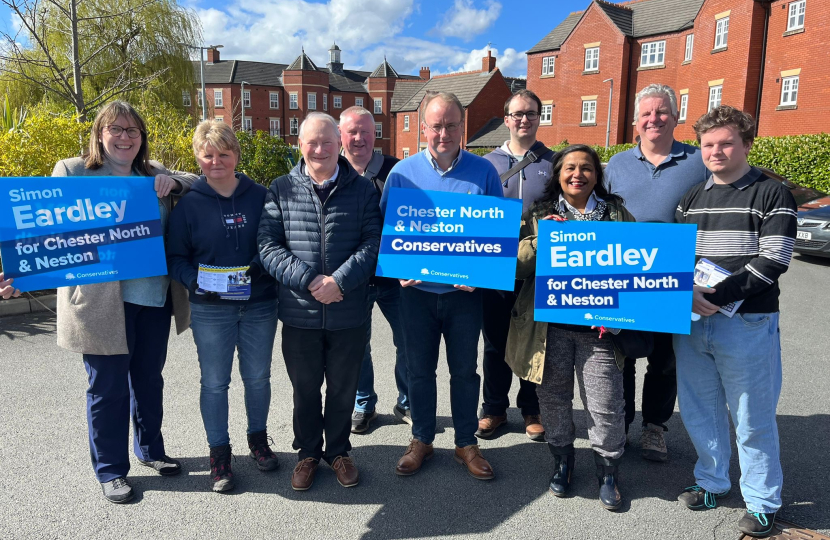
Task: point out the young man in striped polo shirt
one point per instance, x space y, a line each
732 366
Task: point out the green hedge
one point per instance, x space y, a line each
804 159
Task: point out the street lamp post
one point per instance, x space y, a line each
243 83
202 71
610 99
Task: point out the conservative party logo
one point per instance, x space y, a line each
424 271
589 317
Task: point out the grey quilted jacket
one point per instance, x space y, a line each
300 238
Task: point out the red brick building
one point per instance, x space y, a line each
767 57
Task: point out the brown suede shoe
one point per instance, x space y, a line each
488 425
415 455
304 473
345 470
533 427
477 466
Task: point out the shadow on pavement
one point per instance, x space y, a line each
30 324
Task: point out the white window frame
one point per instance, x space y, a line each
690 44
338 102
589 111
378 130
325 102
247 122
294 126
186 99
378 106
199 98
548 65
715 96
722 33
797 10
293 100
406 122
274 127
592 59
218 100
405 153
789 91
653 53
358 102
246 98
684 107
547 113
312 100
274 100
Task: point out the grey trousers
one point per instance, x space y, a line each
600 387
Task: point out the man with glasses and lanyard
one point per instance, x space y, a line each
524 165
434 310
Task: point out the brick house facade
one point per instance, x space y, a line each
736 52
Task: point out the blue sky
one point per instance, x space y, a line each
447 36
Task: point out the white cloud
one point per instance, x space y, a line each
464 21
511 62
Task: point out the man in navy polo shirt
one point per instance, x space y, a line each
652 178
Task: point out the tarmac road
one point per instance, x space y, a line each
47 489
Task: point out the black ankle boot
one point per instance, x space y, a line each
563 466
609 493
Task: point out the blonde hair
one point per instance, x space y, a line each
108 114
216 133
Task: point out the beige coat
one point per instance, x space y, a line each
91 317
526 339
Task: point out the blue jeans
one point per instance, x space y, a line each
387 295
219 329
733 367
457 317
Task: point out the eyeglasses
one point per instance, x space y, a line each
116 131
451 128
531 115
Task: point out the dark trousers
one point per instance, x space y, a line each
659 386
457 317
312 356
125 386
497 306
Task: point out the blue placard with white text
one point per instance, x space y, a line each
635 276
451 238
78 230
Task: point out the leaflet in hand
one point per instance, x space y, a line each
228 283
708 274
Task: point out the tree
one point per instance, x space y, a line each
85 52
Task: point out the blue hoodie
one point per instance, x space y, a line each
208 228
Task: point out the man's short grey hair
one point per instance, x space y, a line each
356 111
447 97
319 116
656 90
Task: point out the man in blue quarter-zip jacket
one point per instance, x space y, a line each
319 237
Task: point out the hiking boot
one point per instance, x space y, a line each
166 466
261 452
563 466
653 444
118 491
697 498
361 420
488 425
757 523
403 415
221 475
533 427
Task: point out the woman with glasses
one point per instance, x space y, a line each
553 352
122 327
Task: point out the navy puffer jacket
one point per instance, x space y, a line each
300 238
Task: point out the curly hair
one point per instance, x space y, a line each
726 116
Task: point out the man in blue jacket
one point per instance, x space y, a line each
319 237
521 116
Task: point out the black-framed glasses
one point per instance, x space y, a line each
531 115
116 131
438 128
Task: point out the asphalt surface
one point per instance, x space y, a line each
47 489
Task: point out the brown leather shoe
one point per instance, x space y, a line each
345 470
304 473
477 466
415 455
533 427
488 425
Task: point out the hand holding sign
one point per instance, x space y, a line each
6 289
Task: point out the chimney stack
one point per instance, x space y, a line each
424 74
213 56
488 63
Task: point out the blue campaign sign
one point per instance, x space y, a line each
635 276
451 238
78 230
